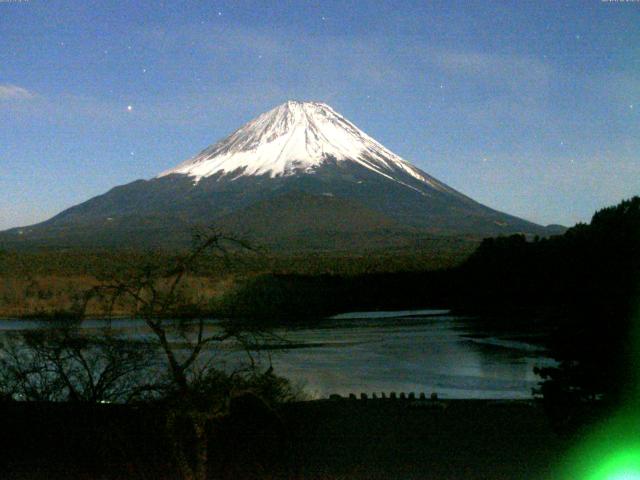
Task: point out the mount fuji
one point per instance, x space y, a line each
300 174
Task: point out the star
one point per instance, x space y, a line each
144 70
578 37
631 106
129 108
219 14
441 85
484 159
132 154
324 18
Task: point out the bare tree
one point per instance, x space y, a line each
196 387
189 364
65 364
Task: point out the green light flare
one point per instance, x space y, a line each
612 450
624 465
626 476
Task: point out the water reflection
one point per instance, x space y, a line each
415 351
410 354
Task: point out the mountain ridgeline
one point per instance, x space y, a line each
300 176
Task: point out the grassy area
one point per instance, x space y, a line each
55 296
53 283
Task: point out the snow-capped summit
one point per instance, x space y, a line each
297 137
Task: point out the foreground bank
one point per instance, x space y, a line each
328 439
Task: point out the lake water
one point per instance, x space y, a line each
412 351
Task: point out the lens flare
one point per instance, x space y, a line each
624 465
626 476
612 450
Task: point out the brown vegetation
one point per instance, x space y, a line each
47 296
50 283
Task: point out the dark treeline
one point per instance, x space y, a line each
295 297
585 285
590 270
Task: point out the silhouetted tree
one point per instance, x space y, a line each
180 364
62 363
196 388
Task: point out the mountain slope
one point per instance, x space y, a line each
297 169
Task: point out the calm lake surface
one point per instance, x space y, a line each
373 352
410 352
